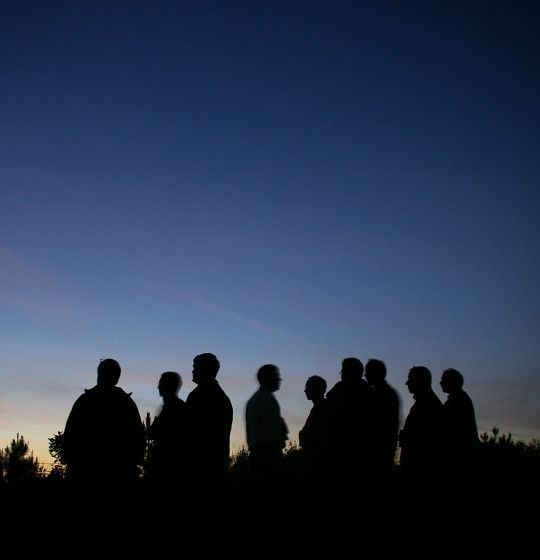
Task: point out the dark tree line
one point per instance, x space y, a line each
499 453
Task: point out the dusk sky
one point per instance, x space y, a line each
283 182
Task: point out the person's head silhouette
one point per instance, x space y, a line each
451 381
315 388
269 377
375 372
169 384
352 369
108 373
205 368
419 380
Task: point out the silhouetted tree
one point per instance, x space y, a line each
56 448
18 463
239 464
56 451
502 455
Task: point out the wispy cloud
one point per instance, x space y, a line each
253 324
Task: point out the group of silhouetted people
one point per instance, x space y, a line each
104 438
352 429
349 442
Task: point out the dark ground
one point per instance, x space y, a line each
493 515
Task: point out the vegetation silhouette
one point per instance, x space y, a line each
506 483
17 462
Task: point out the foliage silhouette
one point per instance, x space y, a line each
18 463
504 488
56 451
497 451
501 455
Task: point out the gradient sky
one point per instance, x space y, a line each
285 182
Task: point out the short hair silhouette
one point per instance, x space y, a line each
452 378
351 367
421 375
375 370
170 383
208 363
317 383
108 372
267 374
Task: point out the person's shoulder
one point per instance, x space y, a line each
335 390
260 397
319 409
221 395
176 404
193 395
219 389
431 398
121 395
392 394
324 405
87 397
253 399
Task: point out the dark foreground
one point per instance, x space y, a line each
494 514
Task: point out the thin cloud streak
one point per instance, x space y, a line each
246 321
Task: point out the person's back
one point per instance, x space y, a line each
104 444
104 437
423 436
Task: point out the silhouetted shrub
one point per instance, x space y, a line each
501 455
18 463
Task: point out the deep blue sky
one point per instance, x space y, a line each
272 182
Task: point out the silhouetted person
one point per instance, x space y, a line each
386 405
209 420
315 436
168 433
462 447
104 444
266 430
423 436
422 442
104 437
210 416
166 468
350 403
462 443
